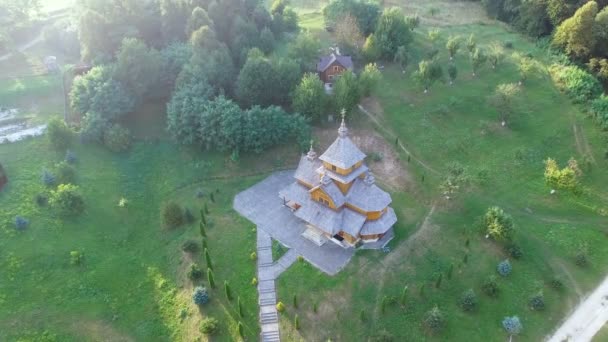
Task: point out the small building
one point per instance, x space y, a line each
331 67
50 62
336 195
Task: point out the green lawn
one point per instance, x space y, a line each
132 283
456 124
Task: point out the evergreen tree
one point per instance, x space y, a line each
295 301
296 322
239 306
478 59
241 329
204 243
362 315
453 45
227 290
206 209
439 279
403 298
315 307
210 278
450 270
422 294
309 98
202 229
208 259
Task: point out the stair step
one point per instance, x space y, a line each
264 248
268 301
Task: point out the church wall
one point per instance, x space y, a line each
320 196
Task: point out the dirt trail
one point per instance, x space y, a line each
392 135
582 145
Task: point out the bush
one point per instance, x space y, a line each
195 272
76 257
41 200
577 83
514 251
280 307
66 174
172 215
537 302
70 157
580 259
434 320
21 223
490 287
117 138
209 326
468 300
504 268
498 224
190 246
253 256
556 284
599 110
59 134
67 200
48 178
200 296
507 44
188 217
512 325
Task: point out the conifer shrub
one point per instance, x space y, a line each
48 178
58 134
468 300
70 157
280 307
66 174
504 268
190 246
21 223
514 251
253 256
434 320
200 296
195 272
188 217
66 199
490 287
580 259
556 284
41 199
537 302
172 215
209 326
76 257
512 325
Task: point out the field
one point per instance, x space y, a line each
132 285
456 124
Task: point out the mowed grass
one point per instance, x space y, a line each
457 124
132 284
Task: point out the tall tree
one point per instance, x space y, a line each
346 91
137 67
402 58
428 73
392 32
369 78
309 98
305 49
453 45
198 19
575 35
503 100
348 35
255 78
478 59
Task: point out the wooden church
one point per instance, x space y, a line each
336 196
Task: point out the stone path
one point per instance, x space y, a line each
268 271
587 319
262 206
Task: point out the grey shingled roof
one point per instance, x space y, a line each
331 221
341 178
307 170
367 197
343 153
326 61
334 192
381 225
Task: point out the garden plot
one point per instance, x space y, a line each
13 128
